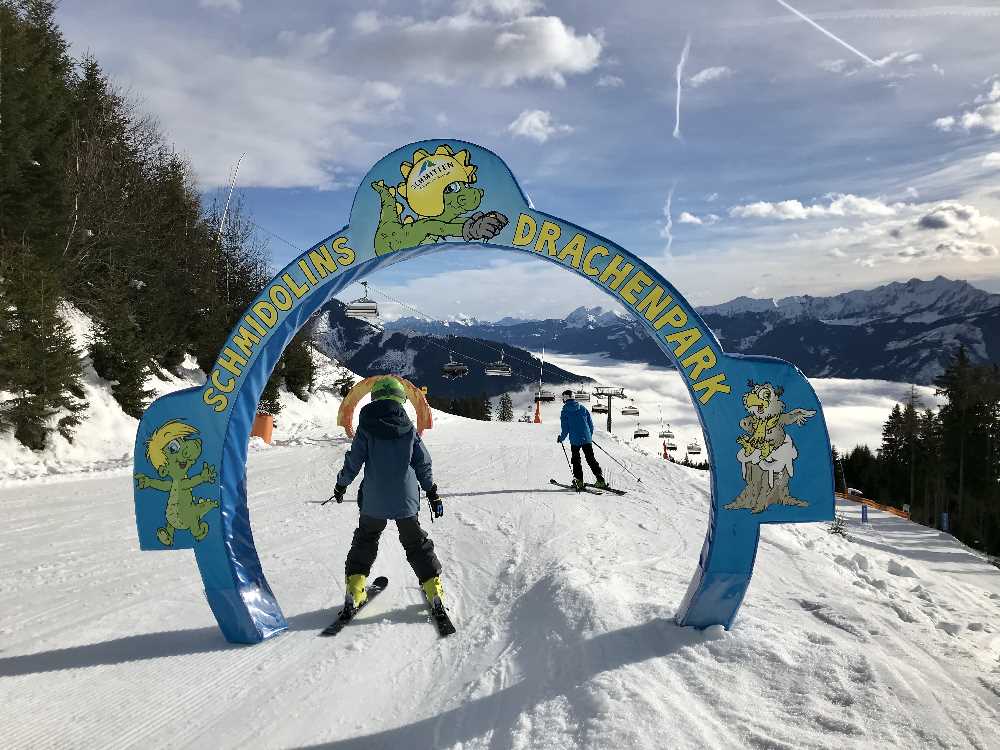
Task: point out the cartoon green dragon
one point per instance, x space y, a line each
171 450
438 188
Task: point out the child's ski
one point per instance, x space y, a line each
375 588
571 487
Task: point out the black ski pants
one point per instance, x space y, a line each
418 547
588 452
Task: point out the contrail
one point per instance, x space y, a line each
834 37
680 74
668 228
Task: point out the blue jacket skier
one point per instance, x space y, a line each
577 424
396 465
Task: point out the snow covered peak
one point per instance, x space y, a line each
593 317
934 299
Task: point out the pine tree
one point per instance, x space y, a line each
505 412
299 369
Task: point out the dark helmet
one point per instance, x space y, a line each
567 395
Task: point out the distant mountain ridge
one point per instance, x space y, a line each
903 331
368 349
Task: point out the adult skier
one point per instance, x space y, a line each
579 427
395 461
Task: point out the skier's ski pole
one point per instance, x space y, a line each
567 457
617 461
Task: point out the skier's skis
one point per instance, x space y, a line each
587 489
375 588
441 619
612 490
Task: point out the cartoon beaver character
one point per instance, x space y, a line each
171 450
438 188
767 453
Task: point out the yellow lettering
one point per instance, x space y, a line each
345 254
674 316
228 387
307 271
574 250
245 340
280 297
525 231
266 312
216 400
636 285
323 261
711 386
547 236
252 322
297 289
616 272
651 305
231 361
591 254
684 339
703 359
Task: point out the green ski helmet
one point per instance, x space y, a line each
389 388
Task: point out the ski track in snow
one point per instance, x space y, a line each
564 605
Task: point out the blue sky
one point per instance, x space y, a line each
798 165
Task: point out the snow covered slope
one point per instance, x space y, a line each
886 639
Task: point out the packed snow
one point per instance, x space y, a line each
563 604
887 637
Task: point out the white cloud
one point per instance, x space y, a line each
986 116
841 204
689 218
834 66
708 75
836 252
234 5
912 192
610 82
468 47
965 221
538 125
507 8
945 123
992 160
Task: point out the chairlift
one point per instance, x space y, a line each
666 434
363 308
693 447
526 417
499 368
671 444
599 409
543 394
454 369
640 432
631 410
581 395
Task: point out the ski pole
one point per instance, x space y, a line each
617 461
567 457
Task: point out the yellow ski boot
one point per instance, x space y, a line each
433 591
356 593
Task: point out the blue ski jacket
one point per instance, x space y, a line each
394 459
576 423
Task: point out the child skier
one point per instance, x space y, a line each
395 462
577 424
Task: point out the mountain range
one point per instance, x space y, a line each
903 331
368 349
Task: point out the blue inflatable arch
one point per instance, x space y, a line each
765 433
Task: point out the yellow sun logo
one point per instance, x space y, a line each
428 177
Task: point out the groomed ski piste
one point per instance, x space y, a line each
563 603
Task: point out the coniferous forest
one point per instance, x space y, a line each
940 462
99 211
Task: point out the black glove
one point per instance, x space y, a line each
338 493
559 438
437 507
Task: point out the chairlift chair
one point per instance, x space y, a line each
454 369
640 432
671 444
581 395
499 368
363 308
631 410
693 447
599 409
